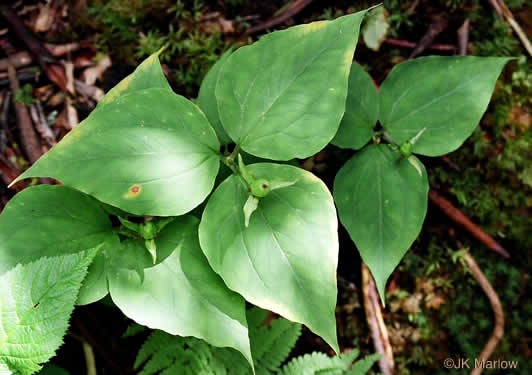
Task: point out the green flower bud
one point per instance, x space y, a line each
406 149
148 230
260 188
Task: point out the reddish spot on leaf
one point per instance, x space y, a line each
135 189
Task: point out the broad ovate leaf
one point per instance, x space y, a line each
284 96
285 260
35 305
446 95
207 99
361 111
382 202
54 220
50 220
151 152
181 295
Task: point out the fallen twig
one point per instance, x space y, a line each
379 333
463 38
89 91
6 98
89 358
498 329
19 60
412 7
28 137
87 336
290 11
436 27
53 71
37 115
504 12
408 44
461 219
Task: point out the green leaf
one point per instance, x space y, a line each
148 74
445 95
285 260
375 28
382 202
284 96
249 207
150 153
95 286
361 111
181 295
49 220
207 99
36 302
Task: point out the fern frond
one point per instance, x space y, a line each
270 346
161 349
350 357
314 364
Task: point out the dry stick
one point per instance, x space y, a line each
53 71
498 330
37 115
412 7
463 38
411 45
436 27
461 219
19 60
23 58
28 137
505 13
89 358
105 355
296 7
378 330
4 130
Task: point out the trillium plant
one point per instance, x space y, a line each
161 208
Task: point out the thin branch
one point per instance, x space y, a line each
28 137
463 37
89 358
412 45
436 27
498 329
54 71
504 12
462 220
379 333
293 9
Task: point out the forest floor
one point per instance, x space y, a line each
66 54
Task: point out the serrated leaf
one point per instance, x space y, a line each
36 302
259 90
382 202
54 220
285 260
207 99
182 295
361 111
446 95
144 154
